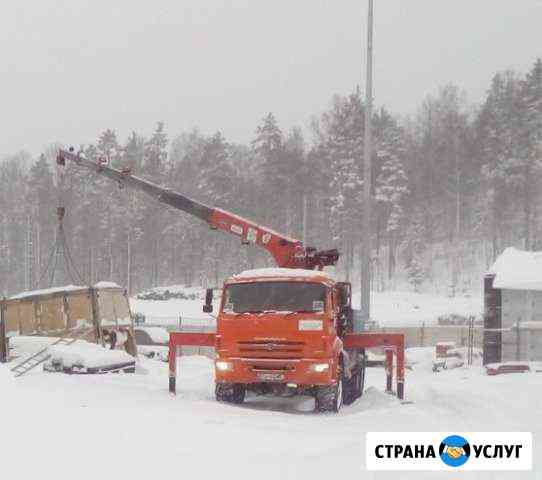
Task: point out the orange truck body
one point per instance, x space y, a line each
272 347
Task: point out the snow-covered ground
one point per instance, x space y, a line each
127 425
391 308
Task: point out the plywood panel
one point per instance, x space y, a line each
51 316
28 321
12 318
80 310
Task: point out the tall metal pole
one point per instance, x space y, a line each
367 152
304 239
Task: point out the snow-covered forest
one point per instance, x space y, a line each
454 184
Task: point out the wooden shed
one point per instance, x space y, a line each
513 308
98 311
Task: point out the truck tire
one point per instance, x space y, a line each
329 398
230 392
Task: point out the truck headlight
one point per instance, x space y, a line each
320 367
223 366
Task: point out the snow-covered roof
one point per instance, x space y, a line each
518 270
282 272
65 288
104 284
48 291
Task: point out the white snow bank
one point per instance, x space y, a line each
518 270
281 272
87 355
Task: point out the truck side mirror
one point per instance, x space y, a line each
208 307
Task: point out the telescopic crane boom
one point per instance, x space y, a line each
287 252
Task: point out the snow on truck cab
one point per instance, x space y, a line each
279 331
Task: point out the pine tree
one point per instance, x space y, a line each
391 186
268 146
42 205
340 134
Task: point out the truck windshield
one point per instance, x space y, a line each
275 296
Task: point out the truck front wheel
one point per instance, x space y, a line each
329 398
230 392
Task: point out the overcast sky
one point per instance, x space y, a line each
70 69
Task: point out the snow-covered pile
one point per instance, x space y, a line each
87 355
518 270
180 292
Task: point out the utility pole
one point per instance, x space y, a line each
367 152
305 219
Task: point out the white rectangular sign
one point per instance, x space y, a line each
449 451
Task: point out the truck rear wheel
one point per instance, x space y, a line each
230 392
353 387
329 398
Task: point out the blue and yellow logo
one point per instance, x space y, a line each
454 451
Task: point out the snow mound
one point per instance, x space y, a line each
87 355
420 357
518 270
374 399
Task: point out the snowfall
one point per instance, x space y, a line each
64 426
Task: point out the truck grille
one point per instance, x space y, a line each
272 368
271 349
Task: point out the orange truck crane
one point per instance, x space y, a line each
286 330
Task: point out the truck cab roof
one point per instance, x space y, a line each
268 274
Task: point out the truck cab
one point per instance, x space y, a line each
279 331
